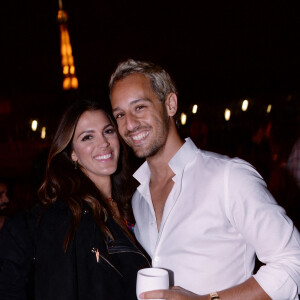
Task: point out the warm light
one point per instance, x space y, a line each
43 132
69 49
65 70
195 108
183 118
34 125
70 60
67 83
70 80
74 83
227 114
64 60
63 49
72 70
245 105
269 108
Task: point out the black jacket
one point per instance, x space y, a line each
33 264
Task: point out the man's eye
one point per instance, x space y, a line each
117 116
140 107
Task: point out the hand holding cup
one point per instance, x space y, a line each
151 279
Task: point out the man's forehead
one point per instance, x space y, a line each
132 81
130 90
130 103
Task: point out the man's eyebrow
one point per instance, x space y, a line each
115 109
133 102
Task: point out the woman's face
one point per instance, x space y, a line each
96 146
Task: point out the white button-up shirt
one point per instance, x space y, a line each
217 216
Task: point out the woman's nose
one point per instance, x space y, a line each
103 142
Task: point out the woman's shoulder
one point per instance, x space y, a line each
26 222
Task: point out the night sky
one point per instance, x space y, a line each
213 50
218 52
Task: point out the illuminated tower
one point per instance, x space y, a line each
70 80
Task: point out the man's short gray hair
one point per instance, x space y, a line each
161 82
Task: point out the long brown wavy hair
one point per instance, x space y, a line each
62 181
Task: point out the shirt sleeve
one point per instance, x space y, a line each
265 226
16 259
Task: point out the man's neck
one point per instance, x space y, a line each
161 182
159 163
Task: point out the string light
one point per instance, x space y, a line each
183 118
245 105
269 108
227 114
195 108
34 125
43 133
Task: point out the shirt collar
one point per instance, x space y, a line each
142 173
177 163
185 154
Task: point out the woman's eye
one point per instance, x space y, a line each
86 137
109 131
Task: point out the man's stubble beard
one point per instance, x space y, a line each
158 142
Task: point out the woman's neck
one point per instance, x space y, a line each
103 183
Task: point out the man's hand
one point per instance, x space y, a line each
249 290
175 293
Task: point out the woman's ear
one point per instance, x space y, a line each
171 104
74 156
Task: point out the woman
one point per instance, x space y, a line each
79 247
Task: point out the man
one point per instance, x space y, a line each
293 163
4 202
200 215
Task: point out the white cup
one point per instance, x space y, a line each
151 279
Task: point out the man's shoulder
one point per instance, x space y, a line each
212 159
219 164
222 159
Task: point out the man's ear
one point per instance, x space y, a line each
171 104
74 156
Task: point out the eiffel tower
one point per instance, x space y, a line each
70 80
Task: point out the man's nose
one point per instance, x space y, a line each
131 122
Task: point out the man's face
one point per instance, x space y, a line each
4 201
142 119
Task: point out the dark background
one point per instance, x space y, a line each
218 52
214 50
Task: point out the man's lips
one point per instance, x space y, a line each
138 137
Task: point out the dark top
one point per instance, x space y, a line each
33 264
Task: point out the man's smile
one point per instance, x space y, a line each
140 136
